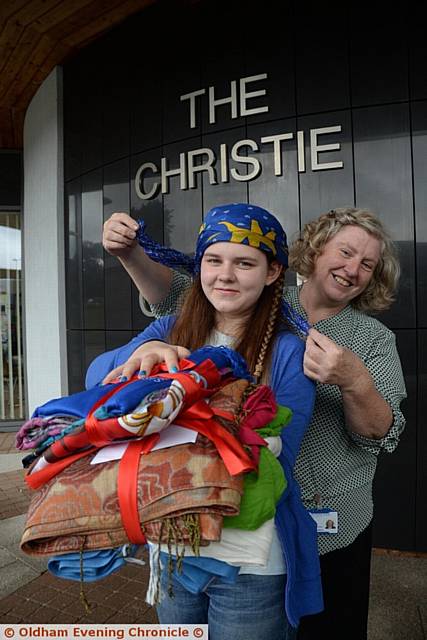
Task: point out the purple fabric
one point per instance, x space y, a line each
35 430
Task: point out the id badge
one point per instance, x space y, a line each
326 520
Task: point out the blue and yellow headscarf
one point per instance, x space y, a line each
237 222
243 224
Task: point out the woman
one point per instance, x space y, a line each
235 300
350 270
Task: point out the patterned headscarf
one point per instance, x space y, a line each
238 222
243 224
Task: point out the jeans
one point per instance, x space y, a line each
253 608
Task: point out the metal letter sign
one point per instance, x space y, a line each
150 178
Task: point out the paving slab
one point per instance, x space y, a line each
7 441
16 569
15 575
15 496
6 557
10 537
11 531
397 599
11 461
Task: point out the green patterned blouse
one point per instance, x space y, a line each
335 467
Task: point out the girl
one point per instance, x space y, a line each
236 300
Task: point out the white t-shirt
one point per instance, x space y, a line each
275 562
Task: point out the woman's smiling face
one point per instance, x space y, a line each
346 265
233 277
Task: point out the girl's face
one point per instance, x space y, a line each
233 277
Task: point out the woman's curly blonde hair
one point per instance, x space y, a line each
379 294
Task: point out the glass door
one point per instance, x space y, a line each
12 402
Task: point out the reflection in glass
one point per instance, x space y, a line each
11 365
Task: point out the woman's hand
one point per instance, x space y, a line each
145 357
119 233
366 411
329 363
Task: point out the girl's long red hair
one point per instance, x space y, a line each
196 322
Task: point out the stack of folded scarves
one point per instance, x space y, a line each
186 494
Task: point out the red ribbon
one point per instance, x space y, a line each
200 417
98 431
39 478
127 486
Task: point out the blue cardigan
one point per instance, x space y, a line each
296 529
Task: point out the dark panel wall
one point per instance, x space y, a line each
10 178
325 67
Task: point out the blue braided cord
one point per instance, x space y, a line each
165 255
295 319
236 361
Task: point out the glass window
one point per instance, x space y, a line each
12 404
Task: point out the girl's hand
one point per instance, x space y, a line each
119 233
145 357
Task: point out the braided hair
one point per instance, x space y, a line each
274 322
